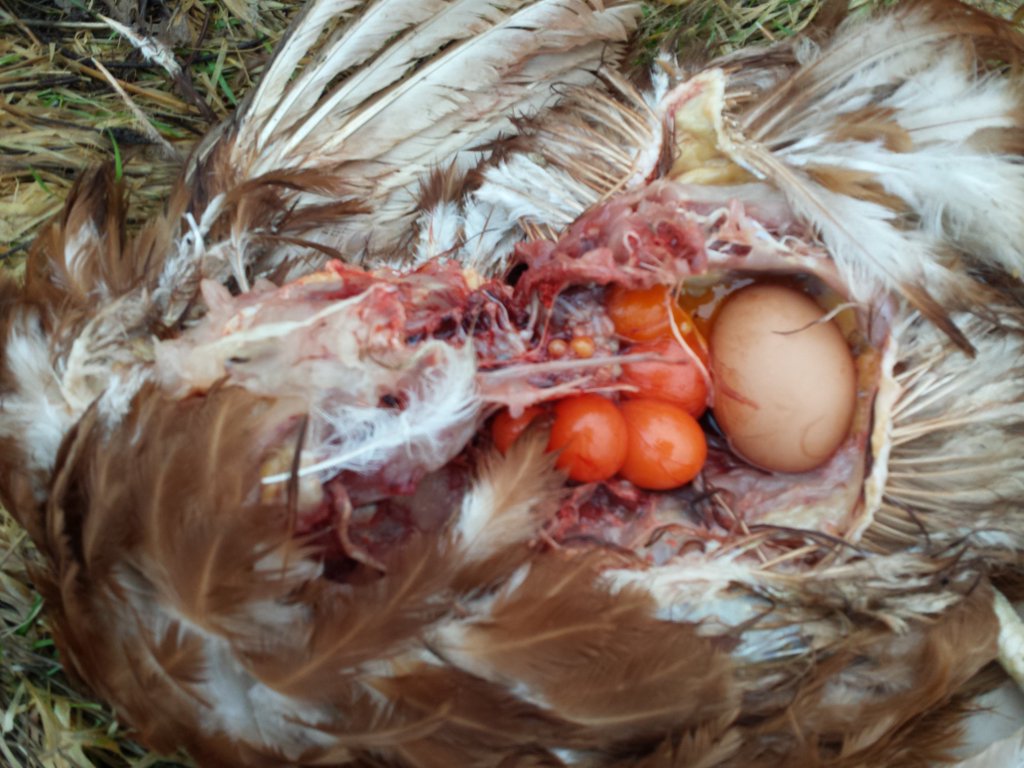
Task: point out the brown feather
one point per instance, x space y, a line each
859 184
862 707
478 714
993 40
173 478
354 624
19 484
932 309
443 185
80 256
601 659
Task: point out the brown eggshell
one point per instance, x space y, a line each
785 384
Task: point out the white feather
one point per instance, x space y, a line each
444 22
34 410
436 423
364 38
509 496
426 84
1006 753
271 92
116 399
518 189
601 141
364 118
872 253
860 61
915 73
492 66
705 593
189 253
954 446
957 193
237 702
950 103
439 229
79 249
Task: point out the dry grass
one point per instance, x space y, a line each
74 92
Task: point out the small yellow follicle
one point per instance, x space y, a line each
582 347
557 348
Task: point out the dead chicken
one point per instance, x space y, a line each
471 405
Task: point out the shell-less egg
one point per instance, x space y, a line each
785 382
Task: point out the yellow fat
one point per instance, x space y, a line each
700 137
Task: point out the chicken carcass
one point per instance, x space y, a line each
250 441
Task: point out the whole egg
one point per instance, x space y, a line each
785 380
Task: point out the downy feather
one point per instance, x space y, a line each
35 414
590 146
428 431
508 501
